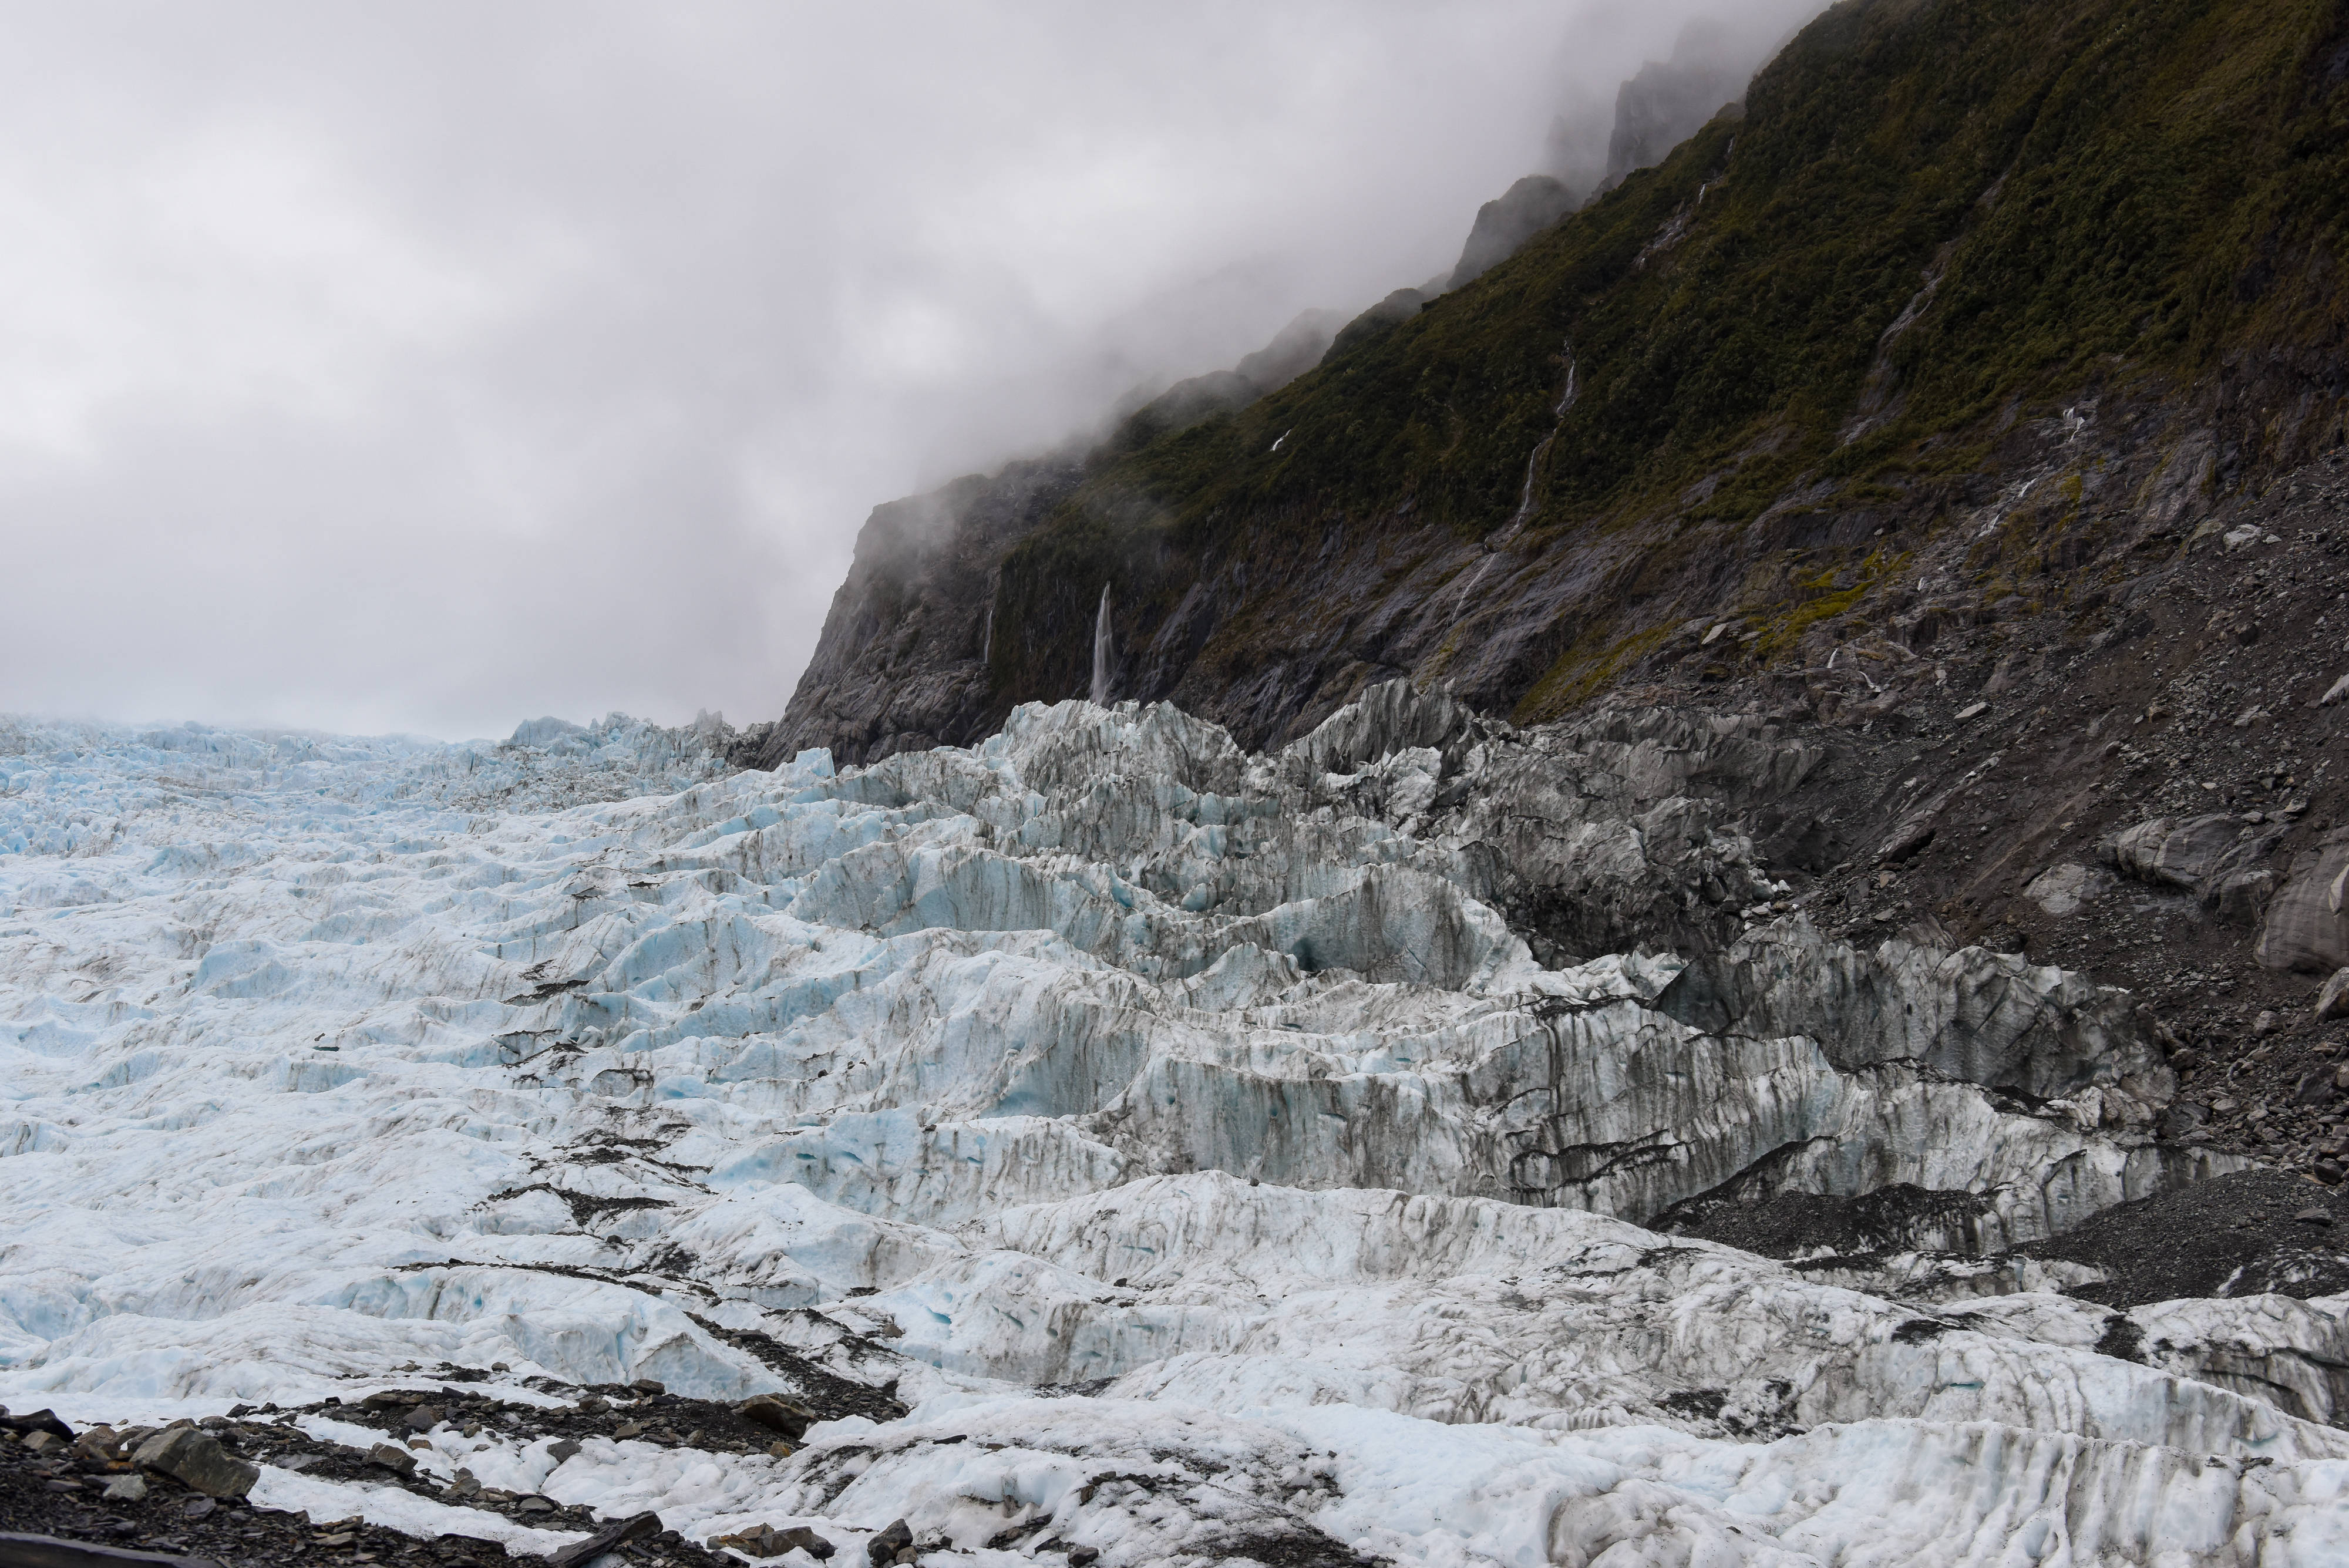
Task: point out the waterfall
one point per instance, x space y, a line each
1469 587
986 639
1525 496
1102 652
1525 511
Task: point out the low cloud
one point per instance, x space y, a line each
431 367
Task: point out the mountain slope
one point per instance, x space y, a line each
1861 306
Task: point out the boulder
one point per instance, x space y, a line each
25 1550
101 1443
393 1458
767 1542
39 1421
195 1458
610 1538
394 1399
2062 889
2332 1001
884 1547
2215 858
2307 923
777 1414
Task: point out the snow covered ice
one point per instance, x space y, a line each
1183 1140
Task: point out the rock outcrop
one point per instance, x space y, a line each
1667 102
1505 224
2219 860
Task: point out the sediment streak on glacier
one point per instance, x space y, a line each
1217 1171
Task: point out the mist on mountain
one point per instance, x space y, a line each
485 328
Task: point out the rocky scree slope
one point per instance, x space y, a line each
1118 1147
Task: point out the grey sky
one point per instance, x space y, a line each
430 367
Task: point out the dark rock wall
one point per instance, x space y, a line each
902 662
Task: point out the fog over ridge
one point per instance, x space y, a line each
434 368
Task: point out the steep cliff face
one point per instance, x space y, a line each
1668 100
906 657
1504 225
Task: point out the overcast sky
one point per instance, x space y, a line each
429 368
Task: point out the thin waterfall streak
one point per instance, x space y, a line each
1525 496
987 641
1102 652
1469 587
1525 511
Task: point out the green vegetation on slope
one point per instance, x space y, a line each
2095 190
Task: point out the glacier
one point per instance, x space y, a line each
1201 1157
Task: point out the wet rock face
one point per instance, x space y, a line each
1102 1139
904 663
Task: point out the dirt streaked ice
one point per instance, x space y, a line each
1193 1138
